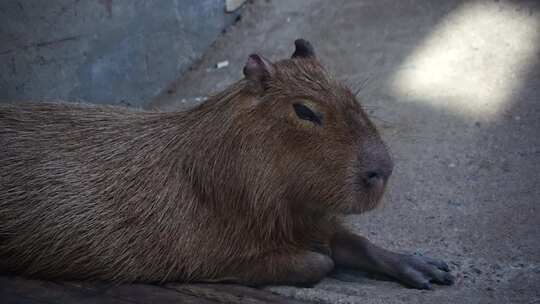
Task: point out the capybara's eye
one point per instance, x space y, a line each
305 113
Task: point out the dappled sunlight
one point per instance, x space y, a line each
473 60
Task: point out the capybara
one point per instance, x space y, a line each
247 187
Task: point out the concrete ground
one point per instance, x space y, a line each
454 88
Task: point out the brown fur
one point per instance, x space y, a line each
211 193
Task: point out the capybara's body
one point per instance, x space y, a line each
246 187
105 193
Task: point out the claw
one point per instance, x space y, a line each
443 266
435 262
425 286
448 279
420 271
415 279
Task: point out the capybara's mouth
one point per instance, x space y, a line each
366 200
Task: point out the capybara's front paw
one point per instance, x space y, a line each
418 271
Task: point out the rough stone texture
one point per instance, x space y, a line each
454 87
102 51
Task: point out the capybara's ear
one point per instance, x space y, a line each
303 49
258 70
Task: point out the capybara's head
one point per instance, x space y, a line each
302 138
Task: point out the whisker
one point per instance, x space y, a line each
362 84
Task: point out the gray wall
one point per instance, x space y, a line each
102 51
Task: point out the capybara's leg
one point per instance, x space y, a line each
302 268
353 251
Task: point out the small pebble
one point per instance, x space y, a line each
453 203
222 64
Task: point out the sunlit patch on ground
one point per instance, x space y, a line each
473 60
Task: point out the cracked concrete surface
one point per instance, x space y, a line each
454 88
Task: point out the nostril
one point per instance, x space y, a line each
372 175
